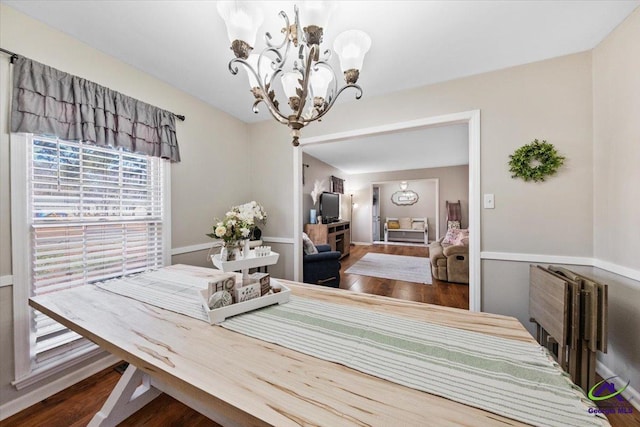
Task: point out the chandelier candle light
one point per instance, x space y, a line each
307 82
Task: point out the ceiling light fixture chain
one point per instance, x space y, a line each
307 80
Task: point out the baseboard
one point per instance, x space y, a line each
361 243
49 389
631 394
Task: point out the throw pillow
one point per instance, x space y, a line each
417 225
453 224
307 245
405 223
393 225
451 236
462 238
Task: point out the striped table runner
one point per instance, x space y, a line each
506 377
171 291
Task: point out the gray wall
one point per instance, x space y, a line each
616 137
319 170
454 185
425 207
200 185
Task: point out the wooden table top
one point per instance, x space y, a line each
258 383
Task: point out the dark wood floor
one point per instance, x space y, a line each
75 406
441 293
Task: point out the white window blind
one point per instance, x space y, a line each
95 213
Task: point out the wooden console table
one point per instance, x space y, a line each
337 235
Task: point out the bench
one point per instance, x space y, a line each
418 230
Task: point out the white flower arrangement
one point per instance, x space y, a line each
239 222
318 188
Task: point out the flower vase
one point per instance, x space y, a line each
246 250
313 219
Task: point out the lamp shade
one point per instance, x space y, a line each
351 46
313 12
264 71
242 18
319 82
290 83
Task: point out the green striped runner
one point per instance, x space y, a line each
506 377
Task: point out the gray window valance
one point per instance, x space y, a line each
47 101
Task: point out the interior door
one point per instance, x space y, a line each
375 220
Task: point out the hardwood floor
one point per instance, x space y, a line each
75 406
441 293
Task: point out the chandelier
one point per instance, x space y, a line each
307 79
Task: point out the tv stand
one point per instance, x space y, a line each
336 234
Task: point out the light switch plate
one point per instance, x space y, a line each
489 201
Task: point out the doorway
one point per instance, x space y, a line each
472 119
375 213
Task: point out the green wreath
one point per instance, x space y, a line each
543 153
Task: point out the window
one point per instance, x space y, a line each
88 214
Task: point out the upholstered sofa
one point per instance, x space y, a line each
449 263
322 268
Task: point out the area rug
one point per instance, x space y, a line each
395 267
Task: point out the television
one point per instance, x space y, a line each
329 207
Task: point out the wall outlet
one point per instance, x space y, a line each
489 201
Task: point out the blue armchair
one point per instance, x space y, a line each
322 268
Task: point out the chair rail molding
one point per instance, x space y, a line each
620 270
6 280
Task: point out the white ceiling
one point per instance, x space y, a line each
414 43
415 149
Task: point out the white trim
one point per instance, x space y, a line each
631 394
49 389
6 280
217 242
472 118
475 265
437 211
19 247
627 272
617 269
44 372
546 259
389 128
282 240
297 214
194 248
361 243
166 212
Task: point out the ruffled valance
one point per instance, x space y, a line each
47 101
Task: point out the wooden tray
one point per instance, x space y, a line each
219 315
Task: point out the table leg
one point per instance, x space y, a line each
133 391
